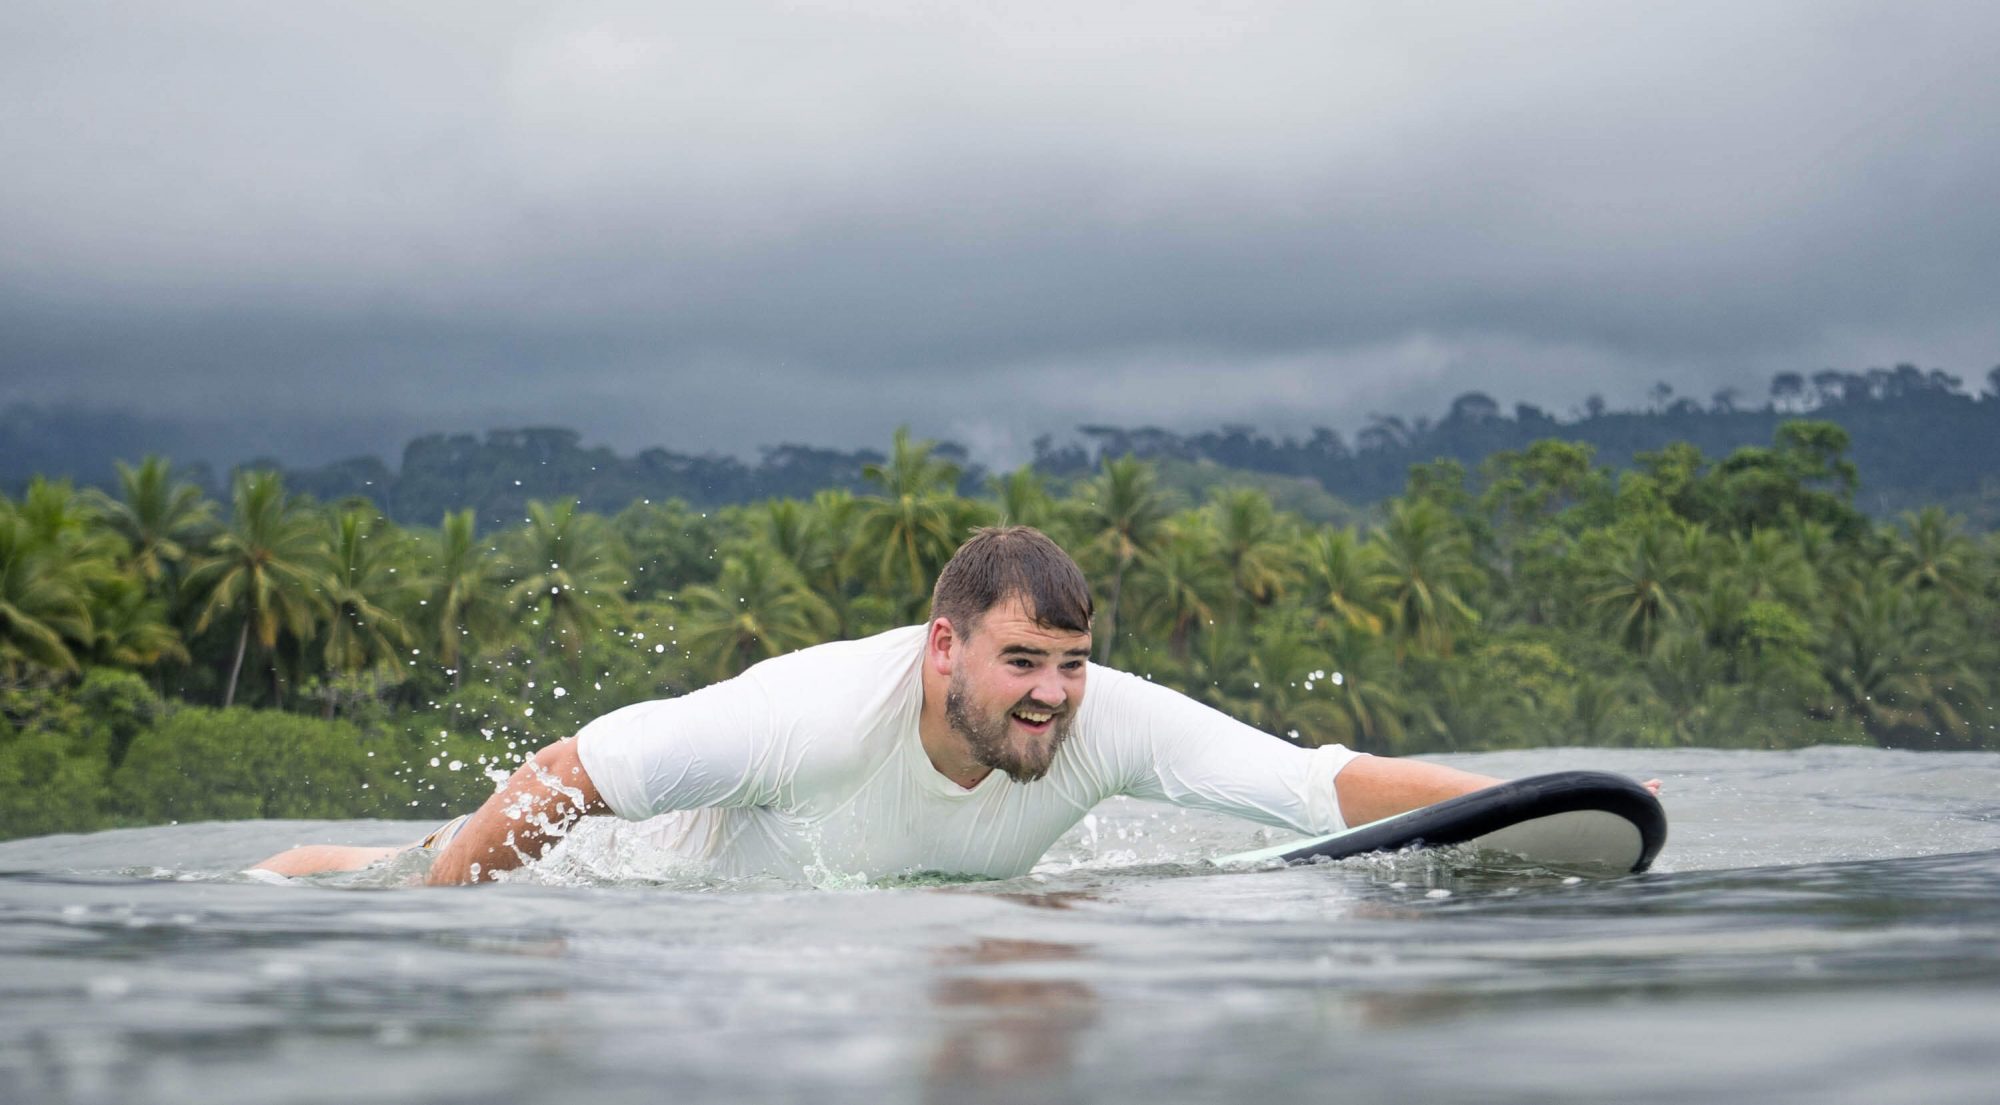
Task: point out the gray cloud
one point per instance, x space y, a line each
719 229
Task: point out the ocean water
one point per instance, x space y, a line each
1823 926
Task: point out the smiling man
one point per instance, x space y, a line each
967 745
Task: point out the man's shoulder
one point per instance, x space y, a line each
890 652
841 682
1118 682
1131 704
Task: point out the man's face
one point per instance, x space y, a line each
1015 688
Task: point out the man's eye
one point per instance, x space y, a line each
1073 665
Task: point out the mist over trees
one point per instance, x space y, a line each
1917 437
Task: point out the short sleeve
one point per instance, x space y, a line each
702 749
1173 749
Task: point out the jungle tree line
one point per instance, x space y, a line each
1540 599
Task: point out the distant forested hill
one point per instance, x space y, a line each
1917 437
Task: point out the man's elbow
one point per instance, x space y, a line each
557 771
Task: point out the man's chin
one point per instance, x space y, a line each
1026 762
1022 773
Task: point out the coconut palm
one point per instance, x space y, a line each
1121 514
1934 552
672 545
1338 583
465 608
1178 590
1456 706
1769 564
367 591
160 519
1640 580
1424 571
1359 681
757 608
1601 709
130 628
1023 498
67 524
1253 543
1889 664
267 567
43 607
1687 677
906 533
569 574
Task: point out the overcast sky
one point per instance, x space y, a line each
718 226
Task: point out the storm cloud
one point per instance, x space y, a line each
723 226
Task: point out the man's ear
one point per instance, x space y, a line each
941 646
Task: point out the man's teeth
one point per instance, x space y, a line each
1032 716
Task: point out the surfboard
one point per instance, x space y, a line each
1590 821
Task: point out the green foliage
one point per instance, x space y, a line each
202 764
54 764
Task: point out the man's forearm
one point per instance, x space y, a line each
522 820
1374 787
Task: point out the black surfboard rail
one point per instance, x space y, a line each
1470 816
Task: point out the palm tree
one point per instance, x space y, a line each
130 628
466 604
1640 581
1769 564
913 527
266 567
1179 588
1252 541
1339 585
1359 681
569 574
1892 667
67 525
1122 513
813 538
1023 498
367 589
1936 553
1424 570
758 608
671 545
42 606
159 518
58 517
1457 705
1687 676
1600 709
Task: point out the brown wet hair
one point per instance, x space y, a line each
999 562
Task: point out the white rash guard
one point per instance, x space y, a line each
812 761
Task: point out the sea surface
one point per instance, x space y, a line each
1823 926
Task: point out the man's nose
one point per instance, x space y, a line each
1049 691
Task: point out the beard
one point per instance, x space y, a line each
992 739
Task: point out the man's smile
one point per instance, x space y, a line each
1035 721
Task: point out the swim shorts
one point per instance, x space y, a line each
442 835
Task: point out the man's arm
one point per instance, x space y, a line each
1374 787
1371 788
1190 754
523 819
